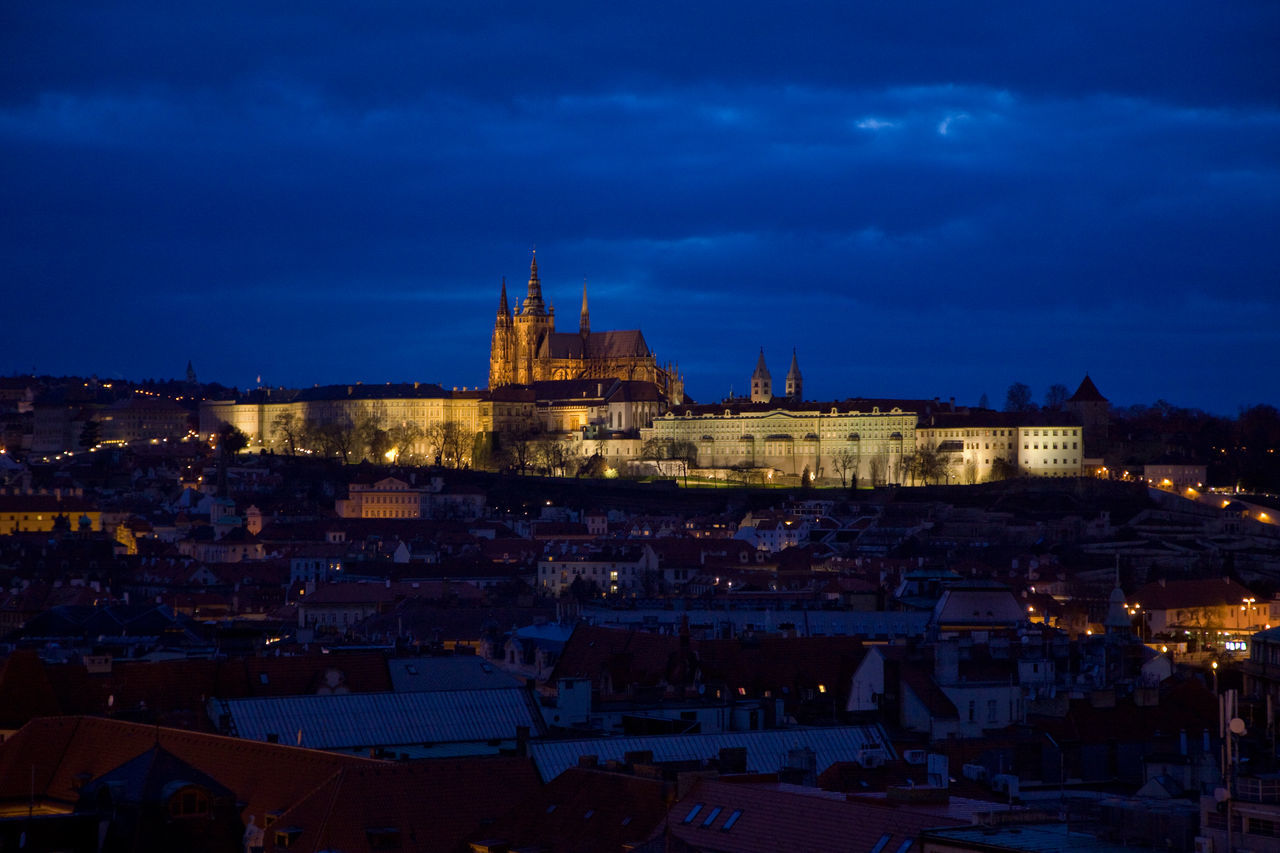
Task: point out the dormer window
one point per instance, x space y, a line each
190 802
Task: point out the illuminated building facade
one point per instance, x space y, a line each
526 348
871 437
980 445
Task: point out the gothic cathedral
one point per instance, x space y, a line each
526 348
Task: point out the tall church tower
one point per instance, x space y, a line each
584 319
533 325
501 348
761 382
795 382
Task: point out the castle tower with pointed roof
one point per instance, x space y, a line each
761 381
795 382
1094 412
526 348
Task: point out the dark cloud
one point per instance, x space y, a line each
923 200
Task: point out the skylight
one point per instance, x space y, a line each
711 818
733 818
881 844
693 813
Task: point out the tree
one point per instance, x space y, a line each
983 402
89 434
231 439
334 438
1003 469
287 431
929 464
845 463
371 438
1056 397
550 454
685 453
877 466
805 481
593 466
402 439
449 443
515 444
1018 398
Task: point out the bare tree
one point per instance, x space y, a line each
515 445
334 438
877 466
403 438
550 454
845 462
931 464
287 431
1018 398
1056 397
450 443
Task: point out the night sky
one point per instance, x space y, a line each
924 199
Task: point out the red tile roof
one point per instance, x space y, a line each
770 819
266 777
426 806
1174 594
584 811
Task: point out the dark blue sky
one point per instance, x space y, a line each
924 199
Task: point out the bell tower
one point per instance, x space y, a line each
501 355
533 325
795 382
761 382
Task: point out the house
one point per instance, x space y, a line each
1200 606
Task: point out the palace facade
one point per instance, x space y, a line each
869 439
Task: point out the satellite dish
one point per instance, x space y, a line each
1236 725
1221 794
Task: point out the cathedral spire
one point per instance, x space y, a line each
503 309
584 321
534 299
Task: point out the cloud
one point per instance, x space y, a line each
758 177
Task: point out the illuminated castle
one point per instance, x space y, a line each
526 348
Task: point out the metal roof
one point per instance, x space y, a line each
805 623
384 719
459 672
766 750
